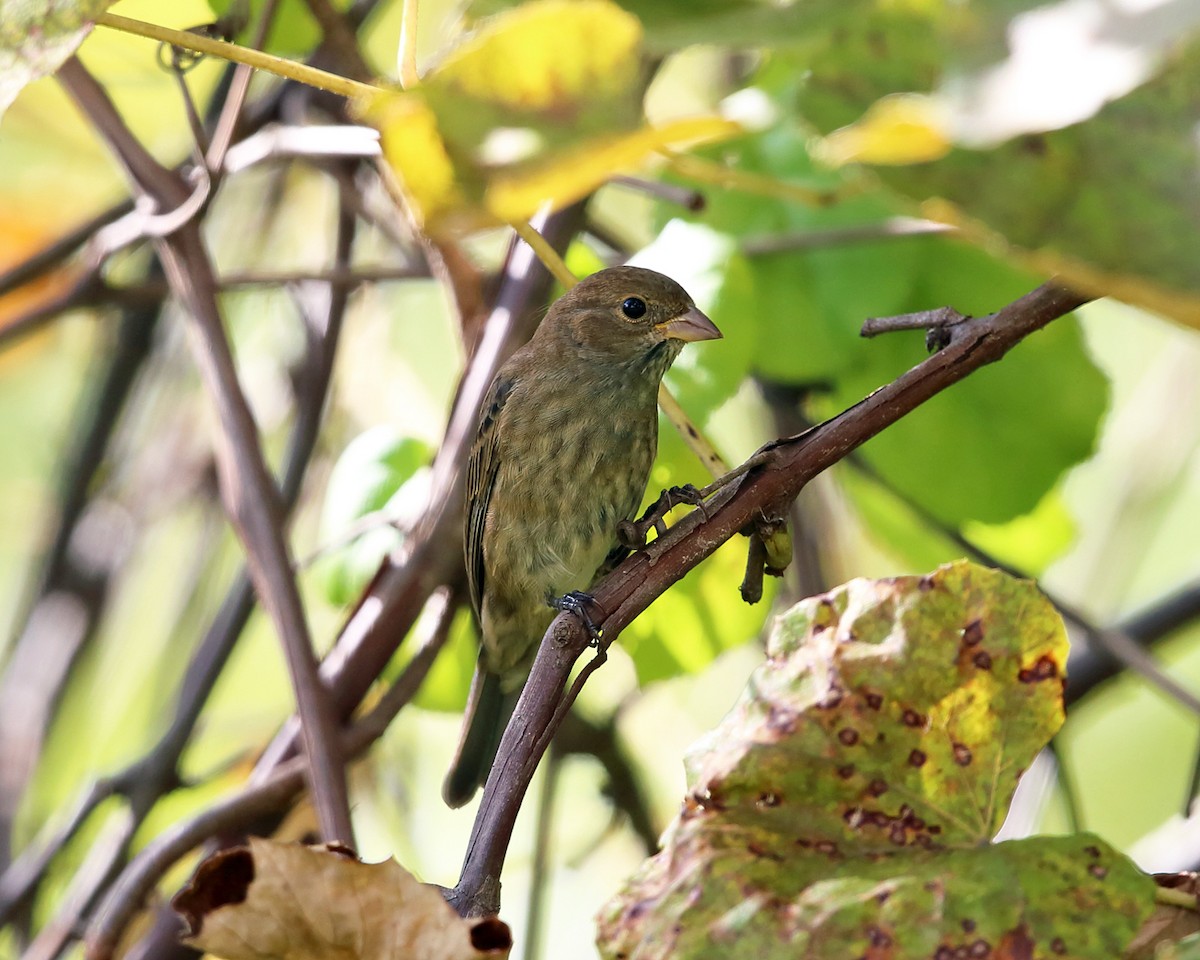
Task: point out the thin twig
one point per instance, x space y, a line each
266 797
59 250
921 320
146 780
340 39
894 228
231 110
539 880
686 197
247 489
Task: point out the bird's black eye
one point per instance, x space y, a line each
634 307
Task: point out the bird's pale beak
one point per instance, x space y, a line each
688 327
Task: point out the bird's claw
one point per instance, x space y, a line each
631 534
577 602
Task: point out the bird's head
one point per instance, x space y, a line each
629 317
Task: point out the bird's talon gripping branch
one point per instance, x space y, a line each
577 602
632 533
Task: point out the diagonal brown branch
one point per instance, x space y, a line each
781 470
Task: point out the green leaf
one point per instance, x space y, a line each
373 473
845 804
1102 198
989 448
37 36
956 455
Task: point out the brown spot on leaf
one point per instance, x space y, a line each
769 799
762 852
877 787
846 771
491 935
222 879
1046 668
943 952
968 926
1092 851
962 754
925 584
853 817
934 829
874 701
1058 946
827 847
878 937
982 659
1098 871
913 719
980 948
917 758
896 835
1016 945
848 736
972 634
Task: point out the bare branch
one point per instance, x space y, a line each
922 320
268 796
782 469
250 495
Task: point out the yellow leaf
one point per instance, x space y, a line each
413 147
898 129
547 55
571 174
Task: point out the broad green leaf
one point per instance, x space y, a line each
371 474
36 36
956 455
1030 542
970 453
844 806
541 104
1103 198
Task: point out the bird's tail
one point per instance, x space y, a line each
487 713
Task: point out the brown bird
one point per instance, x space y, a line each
567 434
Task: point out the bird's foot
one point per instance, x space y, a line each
632 533
578 602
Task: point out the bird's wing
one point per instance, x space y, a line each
481 477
